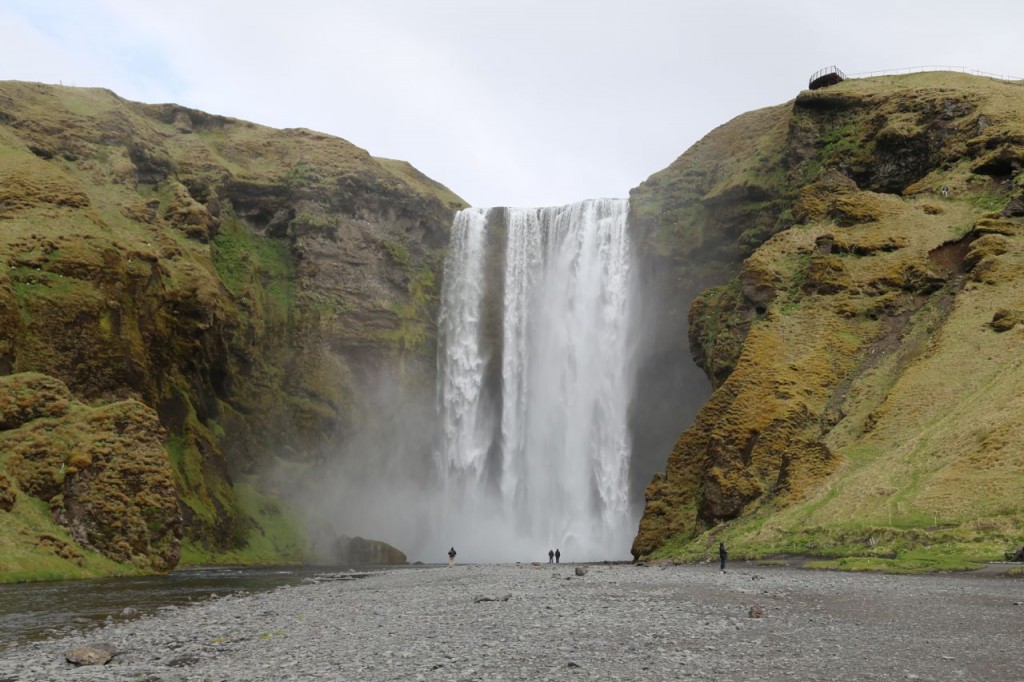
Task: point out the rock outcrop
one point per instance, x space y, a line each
864 243
362 552
102 471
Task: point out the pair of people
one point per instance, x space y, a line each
554 555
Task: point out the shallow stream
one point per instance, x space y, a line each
31 611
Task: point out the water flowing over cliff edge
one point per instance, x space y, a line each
534 383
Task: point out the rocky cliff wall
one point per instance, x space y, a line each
249 285
865 245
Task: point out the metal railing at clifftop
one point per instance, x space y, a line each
932 67
831 75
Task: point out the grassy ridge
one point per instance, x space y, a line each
866 410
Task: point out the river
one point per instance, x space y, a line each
30 611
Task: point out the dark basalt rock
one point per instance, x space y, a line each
360 551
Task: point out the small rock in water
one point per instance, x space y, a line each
573 664
128 611
756 612
580 571
94 654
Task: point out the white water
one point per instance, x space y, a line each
536 456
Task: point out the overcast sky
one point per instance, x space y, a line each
518 102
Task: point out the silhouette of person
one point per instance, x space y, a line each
551 556
722 554
451 557
558 555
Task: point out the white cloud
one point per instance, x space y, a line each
524 103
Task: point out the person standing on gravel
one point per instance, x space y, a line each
451 557
558 555
551 556
722 555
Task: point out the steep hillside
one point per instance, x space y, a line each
863 338
248 286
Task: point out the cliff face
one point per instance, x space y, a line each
246 285
865 245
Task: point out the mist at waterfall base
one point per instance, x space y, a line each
525 443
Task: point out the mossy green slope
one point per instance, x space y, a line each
867 242
100 472
246 283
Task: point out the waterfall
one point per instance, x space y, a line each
534 383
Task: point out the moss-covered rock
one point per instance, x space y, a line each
119 495
362 552
1004 320
28 396
8 495
102 470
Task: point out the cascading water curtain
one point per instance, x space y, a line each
536 448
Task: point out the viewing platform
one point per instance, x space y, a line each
825 77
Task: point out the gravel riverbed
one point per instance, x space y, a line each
545 622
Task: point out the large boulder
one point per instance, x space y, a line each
359 551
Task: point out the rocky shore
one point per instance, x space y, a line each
559 622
